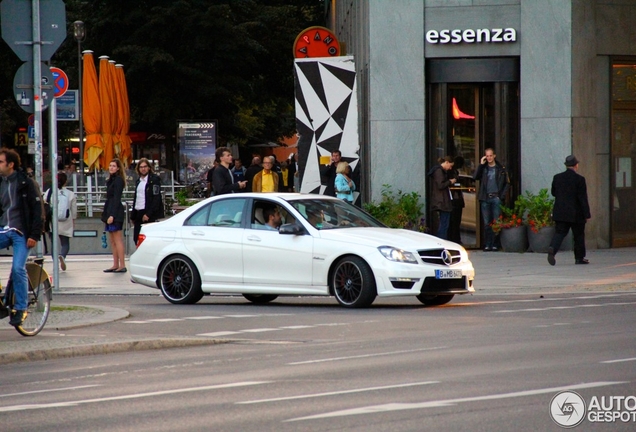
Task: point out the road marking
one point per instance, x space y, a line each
449 402
130 396
619 360
204 317
364 356
49 390
260 330
337 393
564 307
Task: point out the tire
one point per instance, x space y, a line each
38 308
353 283
435 300
260 298
179 281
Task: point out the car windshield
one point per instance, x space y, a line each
330 214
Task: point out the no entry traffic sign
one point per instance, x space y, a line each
60 81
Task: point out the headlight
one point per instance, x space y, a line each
399 255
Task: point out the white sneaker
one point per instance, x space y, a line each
62 263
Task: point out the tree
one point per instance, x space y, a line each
199 59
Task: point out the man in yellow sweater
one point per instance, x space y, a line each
267 179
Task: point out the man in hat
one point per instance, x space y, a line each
571 210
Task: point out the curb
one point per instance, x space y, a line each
105 348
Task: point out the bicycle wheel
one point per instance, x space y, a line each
39 306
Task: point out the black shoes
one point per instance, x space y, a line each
551 259
582 261
17 318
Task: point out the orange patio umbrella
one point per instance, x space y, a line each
91 111
108 110
123 118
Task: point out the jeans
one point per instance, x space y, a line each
444 222
490 211
65 244
18 267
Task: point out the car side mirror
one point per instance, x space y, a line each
291 228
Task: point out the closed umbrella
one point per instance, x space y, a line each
123 119
91 111
108 111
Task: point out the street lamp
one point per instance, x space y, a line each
79 31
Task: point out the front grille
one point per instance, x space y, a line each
432 285
434 256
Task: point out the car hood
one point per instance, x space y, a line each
404 239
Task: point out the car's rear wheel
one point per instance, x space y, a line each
179 281
260 298
352 282
435 300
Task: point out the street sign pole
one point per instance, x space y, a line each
37 96
54 188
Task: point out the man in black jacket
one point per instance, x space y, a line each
147 201
21 222
571 210
492 191
222 178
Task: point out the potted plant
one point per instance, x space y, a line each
538 217
511 228
403 210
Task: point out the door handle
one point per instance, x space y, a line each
198 233
254 238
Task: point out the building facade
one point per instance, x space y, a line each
536 80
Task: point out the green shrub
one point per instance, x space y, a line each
401 210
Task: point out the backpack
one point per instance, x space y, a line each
63 210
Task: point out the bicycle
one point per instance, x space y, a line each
38 300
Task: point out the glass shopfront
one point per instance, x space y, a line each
473 104
623 153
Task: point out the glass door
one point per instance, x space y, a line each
464 120
623 150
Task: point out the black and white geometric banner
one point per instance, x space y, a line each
326 116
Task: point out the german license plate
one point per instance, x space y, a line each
448 274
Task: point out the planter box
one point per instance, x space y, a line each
540 241
514 239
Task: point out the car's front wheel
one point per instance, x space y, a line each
435 300
260 298
352 282
179 280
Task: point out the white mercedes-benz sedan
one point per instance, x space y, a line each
263 246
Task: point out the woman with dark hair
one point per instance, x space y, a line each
441 194
114 215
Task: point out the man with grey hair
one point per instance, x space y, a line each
266 180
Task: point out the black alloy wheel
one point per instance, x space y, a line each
179 281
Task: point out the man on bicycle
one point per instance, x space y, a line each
20 224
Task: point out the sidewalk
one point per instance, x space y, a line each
610 270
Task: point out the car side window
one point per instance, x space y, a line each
199 218
226 213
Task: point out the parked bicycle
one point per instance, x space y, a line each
38 302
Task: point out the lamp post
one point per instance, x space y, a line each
79 31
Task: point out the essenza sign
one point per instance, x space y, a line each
471 36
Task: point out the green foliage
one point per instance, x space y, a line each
401 210
197 59
182 197
538 209
510 217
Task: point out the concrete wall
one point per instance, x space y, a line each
396 96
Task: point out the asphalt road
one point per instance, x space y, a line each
481 363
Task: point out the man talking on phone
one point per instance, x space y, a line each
494 183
